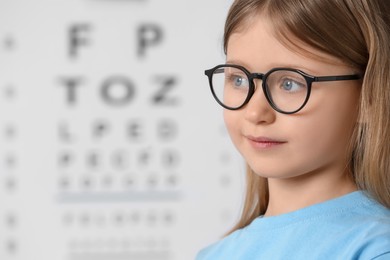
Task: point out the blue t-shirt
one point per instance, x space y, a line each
349 227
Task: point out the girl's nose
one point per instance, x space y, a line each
258 110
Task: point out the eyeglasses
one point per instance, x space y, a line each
286 90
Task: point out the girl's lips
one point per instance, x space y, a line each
264 142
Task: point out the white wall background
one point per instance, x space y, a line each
111 145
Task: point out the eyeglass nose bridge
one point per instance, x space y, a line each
263 77
254 76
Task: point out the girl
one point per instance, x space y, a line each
306 92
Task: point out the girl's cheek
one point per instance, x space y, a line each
231 120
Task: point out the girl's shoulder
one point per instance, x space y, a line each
366 209
350 227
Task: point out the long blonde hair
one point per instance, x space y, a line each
357 32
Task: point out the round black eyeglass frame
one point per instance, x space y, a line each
263 77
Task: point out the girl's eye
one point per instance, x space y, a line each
291 85
238 80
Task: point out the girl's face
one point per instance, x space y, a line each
314 140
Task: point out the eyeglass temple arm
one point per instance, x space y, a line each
337 78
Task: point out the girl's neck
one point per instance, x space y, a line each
287 195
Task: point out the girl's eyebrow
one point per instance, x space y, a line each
287 65
238 62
